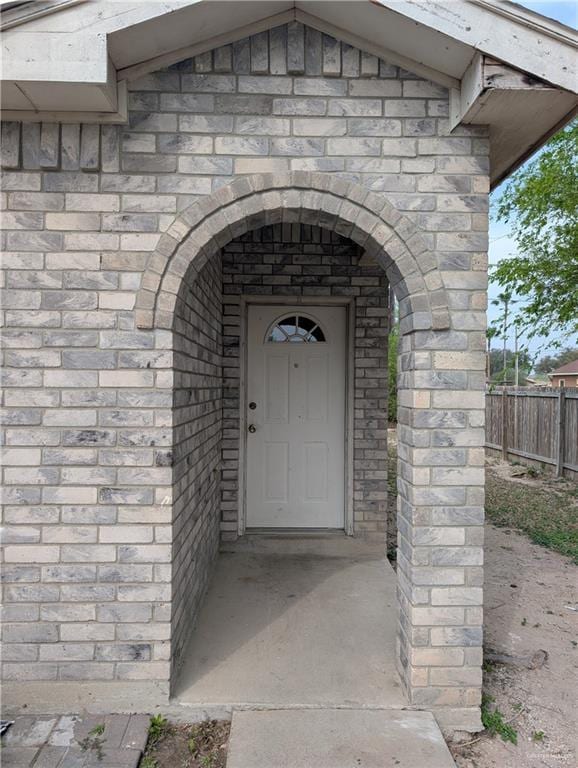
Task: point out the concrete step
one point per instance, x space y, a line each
336 738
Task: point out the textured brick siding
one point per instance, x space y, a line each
197 415
298 260
97 563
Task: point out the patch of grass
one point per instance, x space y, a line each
158 728
494 723
538 735
548 517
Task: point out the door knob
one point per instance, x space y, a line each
252 428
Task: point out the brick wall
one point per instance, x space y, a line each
299 260
197 419
88 396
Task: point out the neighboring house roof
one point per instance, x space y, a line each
504 66
567 368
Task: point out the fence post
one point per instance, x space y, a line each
560 433
505 424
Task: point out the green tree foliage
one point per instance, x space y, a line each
508 376
549 363
393 340
541 204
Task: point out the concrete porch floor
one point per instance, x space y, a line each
293 621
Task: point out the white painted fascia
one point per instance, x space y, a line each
81 58
22 14
547 51
525 16
118 117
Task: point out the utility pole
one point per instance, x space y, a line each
516 365
505 297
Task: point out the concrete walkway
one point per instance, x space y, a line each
71 741
295 622
338 738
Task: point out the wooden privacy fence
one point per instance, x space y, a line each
540 425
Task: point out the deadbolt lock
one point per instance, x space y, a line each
252 406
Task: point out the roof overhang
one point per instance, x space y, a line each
504 66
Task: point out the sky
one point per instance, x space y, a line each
501 244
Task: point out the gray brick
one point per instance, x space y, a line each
70 147
206 84
243 105
299 107
278 50
331 56
347 107
275 85
10 145
206 123
259 54
295 48
49 153
318 86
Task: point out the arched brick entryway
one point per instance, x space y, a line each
440 485
311 198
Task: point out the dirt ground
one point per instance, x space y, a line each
530 605
203 745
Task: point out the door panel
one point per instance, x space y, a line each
276 474
277 388
295 455
315 469
317 396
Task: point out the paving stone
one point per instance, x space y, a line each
75 758
29 731
136 733
63 733
50 757
18 757
114 730
113 758
123 741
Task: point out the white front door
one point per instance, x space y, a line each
295 475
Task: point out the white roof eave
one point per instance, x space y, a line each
91 47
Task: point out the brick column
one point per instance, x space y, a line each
440 521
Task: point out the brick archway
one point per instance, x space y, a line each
320 199
440 413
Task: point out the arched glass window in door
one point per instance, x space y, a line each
295 328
